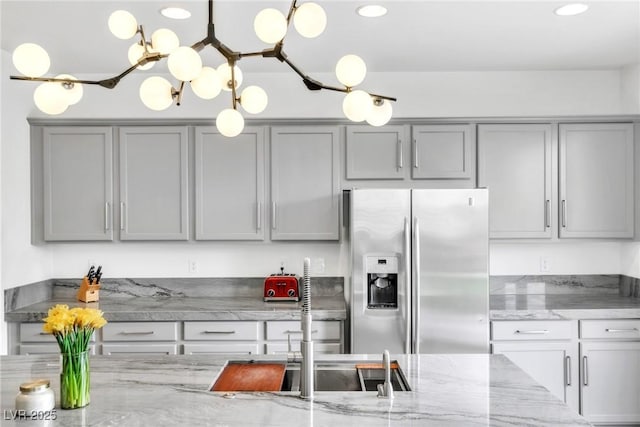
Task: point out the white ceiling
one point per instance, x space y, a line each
414 36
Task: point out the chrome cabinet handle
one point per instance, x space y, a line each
532 332
567 370
106 216
44 333
121 215
137 333
219 332
399 154
547 213
584 371
407 271
621 330
415 153
289 332
273 215
259 216
564 213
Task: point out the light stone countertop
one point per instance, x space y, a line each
562 306
121 309
455 390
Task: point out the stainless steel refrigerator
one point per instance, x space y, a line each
420 261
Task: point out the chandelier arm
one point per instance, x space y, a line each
178 93
291 10
54 80
234 96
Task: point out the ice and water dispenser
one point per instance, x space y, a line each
382 282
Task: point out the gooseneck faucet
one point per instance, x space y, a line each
386 389
306 346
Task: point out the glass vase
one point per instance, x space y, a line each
74 380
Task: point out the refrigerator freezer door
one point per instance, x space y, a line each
378 229
453 262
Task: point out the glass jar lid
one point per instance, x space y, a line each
34 386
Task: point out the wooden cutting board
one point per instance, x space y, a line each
251 377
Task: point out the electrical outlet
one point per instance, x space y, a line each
317 266
193 266
545 264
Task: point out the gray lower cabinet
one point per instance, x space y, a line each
376 153
305 183
442 152
596 180
153 183
77 183
514 163
229 185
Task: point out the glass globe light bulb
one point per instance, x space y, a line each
31 60
207 85
135 52
270 25
224 71
357 105
185 63
230 122
310 20
254 99
50 98
351 70
72 91
123 24
155 93
380 113
164 41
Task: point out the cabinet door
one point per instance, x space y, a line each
229 185
552 364
442 152
514 163
305 183
375 153
596 180
610 385
78 189
153 183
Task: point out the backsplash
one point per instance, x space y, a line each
611 284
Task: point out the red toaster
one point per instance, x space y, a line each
281 287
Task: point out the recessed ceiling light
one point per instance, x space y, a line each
175 12
372 10
571 9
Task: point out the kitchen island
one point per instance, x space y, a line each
463 390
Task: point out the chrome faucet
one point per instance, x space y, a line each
306 346
386 389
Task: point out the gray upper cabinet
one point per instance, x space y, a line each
376 153
77 180
514 163
305 187
596 180
442 152
153 183
229 185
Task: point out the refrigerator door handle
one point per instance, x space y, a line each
416 286
407 266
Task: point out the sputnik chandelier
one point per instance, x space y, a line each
55 94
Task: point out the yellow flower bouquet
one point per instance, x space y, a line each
73 329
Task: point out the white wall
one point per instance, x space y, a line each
630 89
631 260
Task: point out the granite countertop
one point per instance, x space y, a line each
120 309
463 390
562 306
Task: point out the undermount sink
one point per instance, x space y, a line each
328 376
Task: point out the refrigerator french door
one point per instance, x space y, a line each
420 261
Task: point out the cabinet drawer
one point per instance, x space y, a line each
221 331
520 330
140 331
31 349
320 330
226 348
32 332
612 329
109 349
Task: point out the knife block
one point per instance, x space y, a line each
88 292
